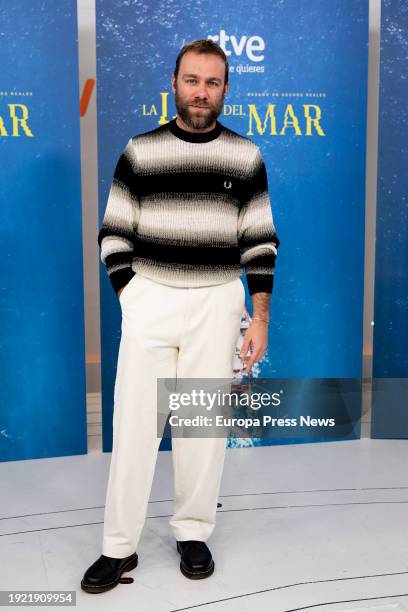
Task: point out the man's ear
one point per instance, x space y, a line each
226 88
173 81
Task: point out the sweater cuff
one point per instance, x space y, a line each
120 278
260 283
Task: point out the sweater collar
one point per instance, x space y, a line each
194 136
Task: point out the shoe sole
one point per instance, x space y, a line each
196 575
89 588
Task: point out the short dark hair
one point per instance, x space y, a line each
203 45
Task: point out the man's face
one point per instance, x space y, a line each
199 90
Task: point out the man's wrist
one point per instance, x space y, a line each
260 301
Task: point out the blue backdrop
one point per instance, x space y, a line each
42 395
390 346
298 88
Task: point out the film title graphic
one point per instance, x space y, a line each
272 120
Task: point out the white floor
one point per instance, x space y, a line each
310 526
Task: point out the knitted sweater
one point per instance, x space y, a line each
189 209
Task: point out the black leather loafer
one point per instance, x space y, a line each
106 573
196 560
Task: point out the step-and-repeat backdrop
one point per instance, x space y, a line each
298 85
42 361
298 88
390 359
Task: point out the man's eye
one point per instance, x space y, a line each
212 83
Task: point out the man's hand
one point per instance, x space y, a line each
256 337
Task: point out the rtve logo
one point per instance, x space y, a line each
252 45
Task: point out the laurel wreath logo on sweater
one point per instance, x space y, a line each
227 184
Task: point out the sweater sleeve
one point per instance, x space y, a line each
257 239
116 236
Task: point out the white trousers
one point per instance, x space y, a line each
167 332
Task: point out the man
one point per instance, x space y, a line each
187 212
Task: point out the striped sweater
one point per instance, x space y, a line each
189 209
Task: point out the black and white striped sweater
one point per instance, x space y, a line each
189 209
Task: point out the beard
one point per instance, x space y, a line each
198 118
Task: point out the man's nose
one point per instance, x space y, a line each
201 91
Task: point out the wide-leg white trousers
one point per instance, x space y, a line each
167 332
